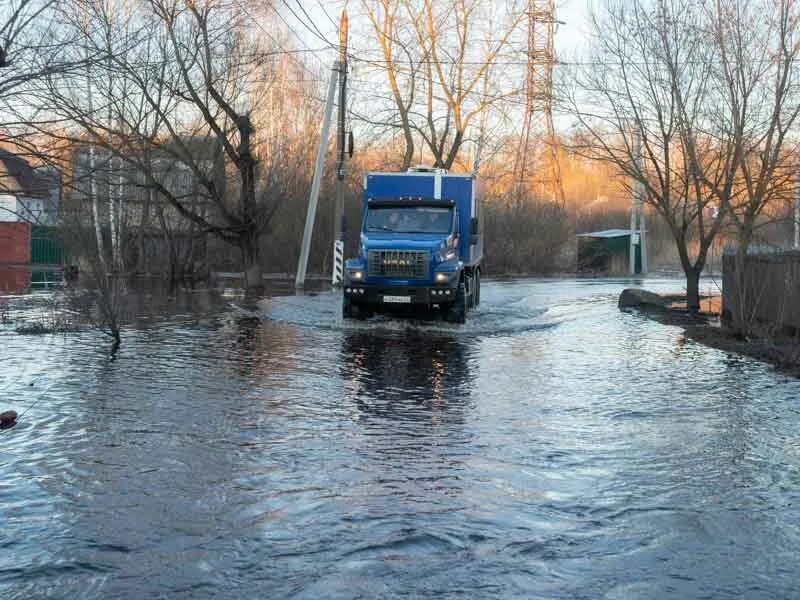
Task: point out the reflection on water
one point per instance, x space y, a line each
553 447
14 280
407 375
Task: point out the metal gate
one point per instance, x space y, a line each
46 248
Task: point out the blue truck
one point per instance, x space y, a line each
421 246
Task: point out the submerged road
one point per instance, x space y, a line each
553 447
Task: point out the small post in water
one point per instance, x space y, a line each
338 262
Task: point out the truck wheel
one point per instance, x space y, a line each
477 288
351 310
457 313
473 290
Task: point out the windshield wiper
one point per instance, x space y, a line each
382 228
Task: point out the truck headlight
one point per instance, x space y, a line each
444 276
357 275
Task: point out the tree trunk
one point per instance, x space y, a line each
113 217
119 257
458 139
253 276
98 226
409 154
116 342
691 270
741 316
246 165
692 289
144 223
408 135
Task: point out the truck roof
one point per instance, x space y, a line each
410 201
417 174
416 184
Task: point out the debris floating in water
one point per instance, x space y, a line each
8 419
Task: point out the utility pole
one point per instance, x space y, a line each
338 217
633 235
796 244
640 203
637 232
642 226
302 263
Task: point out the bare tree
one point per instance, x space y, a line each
385 18
647 79
30 48
173 78
455 71
18 38
438 59
756 77
754 114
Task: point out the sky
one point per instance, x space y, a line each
569 39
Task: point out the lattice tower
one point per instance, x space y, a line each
537 139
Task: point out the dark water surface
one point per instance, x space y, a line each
553 447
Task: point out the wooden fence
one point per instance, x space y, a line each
770 294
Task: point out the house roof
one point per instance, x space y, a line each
18 178
183 148
198 147
607 233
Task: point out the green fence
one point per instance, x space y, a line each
46 248
46 278
600 253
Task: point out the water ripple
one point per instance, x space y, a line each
552 447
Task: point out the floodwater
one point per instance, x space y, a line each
552 447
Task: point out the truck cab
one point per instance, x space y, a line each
420 246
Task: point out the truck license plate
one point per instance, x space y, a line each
397 299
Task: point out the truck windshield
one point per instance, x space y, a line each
410 219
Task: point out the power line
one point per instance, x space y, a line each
327 14
306 48
296 16
305 12
257 24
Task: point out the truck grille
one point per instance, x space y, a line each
403 264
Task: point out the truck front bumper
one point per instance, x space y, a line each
389 296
